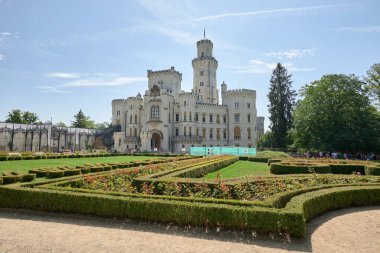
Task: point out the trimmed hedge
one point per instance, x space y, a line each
274 161
55 173
1 181
28 177
262 220
3 158
314 203
258 159
298 168
347 168
71 172
373 170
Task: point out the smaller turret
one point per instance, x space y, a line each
224 87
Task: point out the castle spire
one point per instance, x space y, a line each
204 33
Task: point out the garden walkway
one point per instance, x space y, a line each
347 230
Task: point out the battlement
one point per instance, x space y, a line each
119 101
164 71
187 94
204 41
210 105
204 58
239 92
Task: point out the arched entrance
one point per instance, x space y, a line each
155 142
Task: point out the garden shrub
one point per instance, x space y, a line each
273 161
258 159
347 168
28 177
243 158
373 170
72 172
85 170
3 158
298 168
55 173
1 181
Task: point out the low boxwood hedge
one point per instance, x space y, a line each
298 168
3 158
71 172
373 170
28 177
1 181
347 168
55 173
258 159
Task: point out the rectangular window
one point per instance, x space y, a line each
249 118
204 133
197 131
224 134
176 132
218 134
169 118
189 116
201 83
224 119
217 119
135 119
184 117
184 131
177 117
237 118
248 105
184 103
211 133
210 118
203 117
236 105
190 131
201 73
196 117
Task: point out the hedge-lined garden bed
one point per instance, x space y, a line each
172 191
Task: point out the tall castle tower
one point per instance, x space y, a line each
204 69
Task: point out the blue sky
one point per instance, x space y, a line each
57 57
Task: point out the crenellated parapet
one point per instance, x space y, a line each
164 71
239 93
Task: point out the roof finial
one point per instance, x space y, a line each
204 33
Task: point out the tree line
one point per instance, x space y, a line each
80 120
335 113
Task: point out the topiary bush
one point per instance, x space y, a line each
72 172
55 173
347 168
28 177
298 168
373 170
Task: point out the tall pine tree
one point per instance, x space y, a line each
281 102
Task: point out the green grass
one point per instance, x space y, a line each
25 165
241 169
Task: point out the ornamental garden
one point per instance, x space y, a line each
267 193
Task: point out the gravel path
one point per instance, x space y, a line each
347 230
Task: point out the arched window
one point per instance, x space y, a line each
155 112
237 133
249 133
203 54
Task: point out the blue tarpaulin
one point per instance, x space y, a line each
209 151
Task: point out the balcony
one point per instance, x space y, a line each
187 139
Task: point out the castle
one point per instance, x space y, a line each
171 120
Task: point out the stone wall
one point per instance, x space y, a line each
44 137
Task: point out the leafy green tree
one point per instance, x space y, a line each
373 80
17 116
102 126
335 114
82 121
281 102
265 141
60 124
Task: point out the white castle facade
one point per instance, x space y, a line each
168 119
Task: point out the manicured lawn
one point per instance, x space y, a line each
241 169
25 165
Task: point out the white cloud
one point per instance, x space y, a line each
94 80
261 67
51 89
97 82
1 57
63 75
291 54
359 29
297 10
